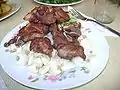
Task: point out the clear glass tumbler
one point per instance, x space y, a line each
104 11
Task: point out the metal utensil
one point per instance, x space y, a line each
80 16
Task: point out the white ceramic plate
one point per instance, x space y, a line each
76 77
58 4
15 7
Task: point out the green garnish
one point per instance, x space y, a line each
72 19
58 1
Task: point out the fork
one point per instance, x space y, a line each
80 16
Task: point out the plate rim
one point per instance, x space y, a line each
58 4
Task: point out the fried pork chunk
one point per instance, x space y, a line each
42 20
70 51
28 33
47 15
61 16
65 48
73 29
41 45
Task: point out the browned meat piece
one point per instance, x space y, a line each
65 48
15 40
58 36
61 15
31 27
26 38
48 19
41 45
47 15
11 41
42 14
31 36
28 33
72 39
73 29
72 32
43 20
70 51
31 15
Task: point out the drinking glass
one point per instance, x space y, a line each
104 11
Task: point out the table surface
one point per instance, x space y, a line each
108 80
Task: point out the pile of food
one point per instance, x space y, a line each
48 44
4 7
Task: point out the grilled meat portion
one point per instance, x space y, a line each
42 20
47 15
58 36
42 14
26 38
28 33
41 45
70 51
73 29
32 27
11 41
65 48
61 15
